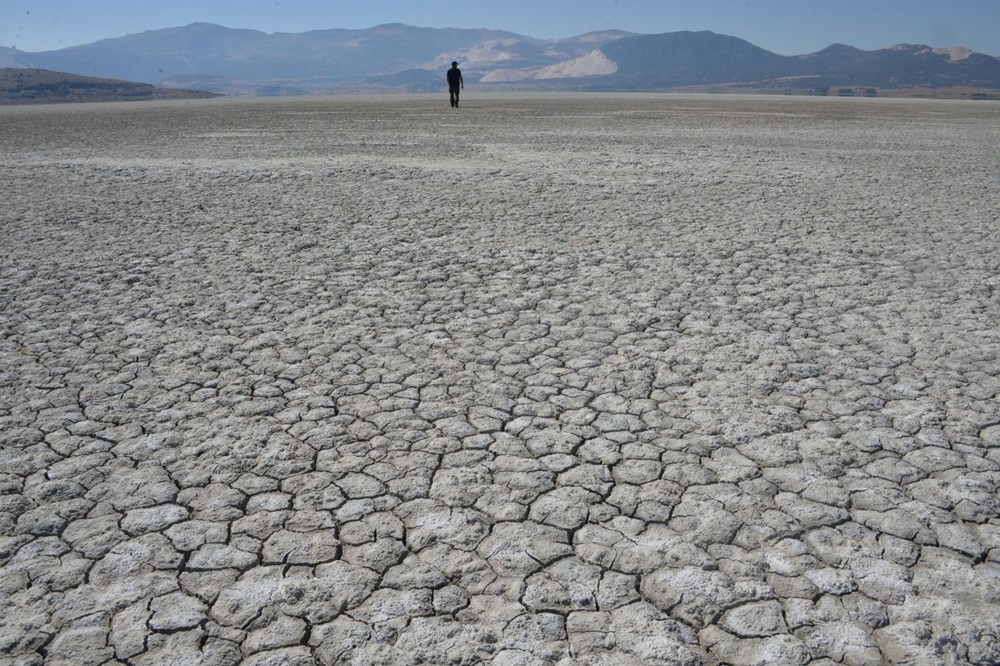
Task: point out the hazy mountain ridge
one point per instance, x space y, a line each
250 55
705 58
904 65
8 57
690 58
407 58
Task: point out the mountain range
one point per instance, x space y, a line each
408 58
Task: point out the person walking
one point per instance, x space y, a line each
455 83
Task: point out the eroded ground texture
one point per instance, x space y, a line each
550 380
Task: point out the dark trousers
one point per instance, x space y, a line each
453 93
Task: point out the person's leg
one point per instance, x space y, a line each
456 96
453 96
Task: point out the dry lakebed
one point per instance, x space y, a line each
552 379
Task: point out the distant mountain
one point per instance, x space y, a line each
689 58
396 57
903 66
704 58
8 57
25 86
250 55
526 58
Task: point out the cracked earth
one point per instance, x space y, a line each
544 380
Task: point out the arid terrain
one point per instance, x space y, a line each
39 86
601 379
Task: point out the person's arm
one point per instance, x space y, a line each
461 79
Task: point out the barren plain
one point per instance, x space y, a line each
542 380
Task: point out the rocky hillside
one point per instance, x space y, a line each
25 86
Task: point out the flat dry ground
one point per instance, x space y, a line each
588 380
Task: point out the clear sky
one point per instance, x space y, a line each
788 27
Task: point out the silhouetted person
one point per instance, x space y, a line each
455 83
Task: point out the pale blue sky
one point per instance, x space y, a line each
784 26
